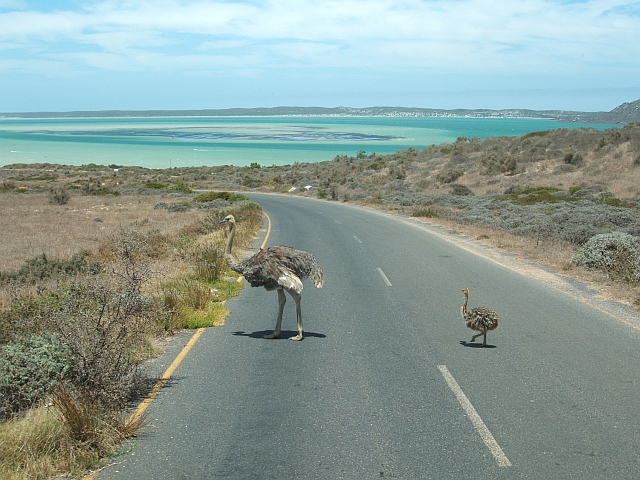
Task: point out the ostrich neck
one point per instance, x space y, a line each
231 261
464 305
232 234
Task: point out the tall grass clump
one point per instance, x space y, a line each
208 260
64 438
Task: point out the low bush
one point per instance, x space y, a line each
59 196
458 189
533 195
211 196
425 213
616 253
29 369
155 185
40 268
449 176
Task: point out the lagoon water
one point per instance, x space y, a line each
164 142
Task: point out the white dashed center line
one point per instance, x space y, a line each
482 429
384 277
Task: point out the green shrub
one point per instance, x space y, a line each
179 186
211 196
59 196
156 185
427 213
536 134
616 253
616 202
449 176
533 195
493 163
102 191
41 268
29 369
251 183
461 190
178 207
574 159
91 166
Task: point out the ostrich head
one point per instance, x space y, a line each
228 219
465 290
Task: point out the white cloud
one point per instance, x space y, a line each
584 41
362 33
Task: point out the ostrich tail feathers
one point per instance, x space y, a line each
317 275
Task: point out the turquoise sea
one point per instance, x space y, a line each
163 142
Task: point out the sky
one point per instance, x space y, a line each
68 55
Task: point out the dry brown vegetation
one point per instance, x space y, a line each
541 196
90 286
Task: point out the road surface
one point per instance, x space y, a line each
385 383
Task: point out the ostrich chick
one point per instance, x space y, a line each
276 268
478 319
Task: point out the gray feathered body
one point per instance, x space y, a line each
274 267
279 266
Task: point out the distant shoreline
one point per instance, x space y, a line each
558 115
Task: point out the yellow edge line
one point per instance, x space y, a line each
166 376
268 231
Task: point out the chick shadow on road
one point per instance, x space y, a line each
475 345
284 334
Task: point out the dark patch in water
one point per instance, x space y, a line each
303 135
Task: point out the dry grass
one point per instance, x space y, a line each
30 225
183 247
53 439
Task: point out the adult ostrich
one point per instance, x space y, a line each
276 268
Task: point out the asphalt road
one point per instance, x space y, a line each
384 384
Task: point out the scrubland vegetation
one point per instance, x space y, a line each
99 264
76 329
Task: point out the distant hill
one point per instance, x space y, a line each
623 114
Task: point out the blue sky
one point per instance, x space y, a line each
62 55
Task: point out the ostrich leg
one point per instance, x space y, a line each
297 297
484 344
281 301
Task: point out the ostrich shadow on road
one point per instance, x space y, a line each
475 345
284 334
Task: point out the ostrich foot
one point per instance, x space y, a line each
272 335
297 338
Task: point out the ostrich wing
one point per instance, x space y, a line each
276 267
289 280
